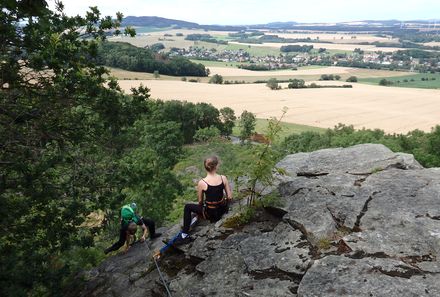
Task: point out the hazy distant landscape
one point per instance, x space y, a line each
391 61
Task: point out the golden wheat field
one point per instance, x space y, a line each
337 37
329 46
395 110
237 72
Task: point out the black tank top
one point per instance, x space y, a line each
214 193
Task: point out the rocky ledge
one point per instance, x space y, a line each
359 221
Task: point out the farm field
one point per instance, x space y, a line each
314 71
432 43
329 46
287 128
208 63
432 81
395 110
308 73
149 36
337 37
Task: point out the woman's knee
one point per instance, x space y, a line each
187 207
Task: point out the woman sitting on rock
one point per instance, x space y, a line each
211 196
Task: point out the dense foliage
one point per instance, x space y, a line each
204 38
73 145
424 146
296 48
129 57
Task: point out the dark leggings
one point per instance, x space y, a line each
123 233
121 241
213 214
150 225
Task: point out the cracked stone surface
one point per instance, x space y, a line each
342 276
359 221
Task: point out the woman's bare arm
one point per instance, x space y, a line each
227 188
200 188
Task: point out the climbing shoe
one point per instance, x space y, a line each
181 241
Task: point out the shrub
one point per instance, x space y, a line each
296 84
241 218
273 84
216 79
352 79
385 82
207 134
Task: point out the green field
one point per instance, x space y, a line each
287 128
433 81
218 63
151 29
252 50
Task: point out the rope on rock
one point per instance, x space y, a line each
160 271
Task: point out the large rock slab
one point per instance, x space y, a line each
358 221
372 277
358 159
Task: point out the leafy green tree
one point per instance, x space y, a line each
272 84
247 125
352 79
385 82
263 168
207 134
146 168
216 79
207 115
157 47
228 118
296 84
63 130
129 57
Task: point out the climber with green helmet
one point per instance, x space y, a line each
129 219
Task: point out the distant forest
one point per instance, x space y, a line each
129 57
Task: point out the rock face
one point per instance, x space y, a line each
360 221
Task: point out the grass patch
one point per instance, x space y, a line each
324 244
241 218
432 81
219 63
151 29
252 50
287 129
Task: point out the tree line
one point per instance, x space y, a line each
129 57
425 146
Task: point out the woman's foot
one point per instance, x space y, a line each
182 239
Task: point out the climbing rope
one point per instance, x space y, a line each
160 272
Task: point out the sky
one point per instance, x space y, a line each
241 12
